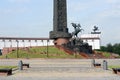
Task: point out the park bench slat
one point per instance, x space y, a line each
6 71
27 65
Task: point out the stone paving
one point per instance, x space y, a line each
60 69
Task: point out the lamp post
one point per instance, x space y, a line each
4 43
36 43
30 42
47 48
10 43
17 49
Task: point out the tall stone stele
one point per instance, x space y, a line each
60 32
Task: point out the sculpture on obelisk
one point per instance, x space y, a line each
60 31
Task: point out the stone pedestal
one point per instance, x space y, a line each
105 65
20 63
61 41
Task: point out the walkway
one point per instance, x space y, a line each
60 69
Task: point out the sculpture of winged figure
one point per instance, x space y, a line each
77 29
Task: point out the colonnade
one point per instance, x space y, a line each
24 42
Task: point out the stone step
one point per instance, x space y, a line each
63 69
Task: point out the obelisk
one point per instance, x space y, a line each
60 32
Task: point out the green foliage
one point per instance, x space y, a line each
103 48
116 48
111 48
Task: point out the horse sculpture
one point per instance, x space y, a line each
77 29
95 29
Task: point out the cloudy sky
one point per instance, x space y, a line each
33 18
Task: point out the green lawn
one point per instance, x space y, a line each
106 54
39 52
114 66
7 67
44 52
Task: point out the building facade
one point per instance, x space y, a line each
92 39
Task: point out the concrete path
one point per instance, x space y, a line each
60 69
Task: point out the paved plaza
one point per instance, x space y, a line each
60 69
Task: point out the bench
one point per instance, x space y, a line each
97 65
116 70
25 65
6 72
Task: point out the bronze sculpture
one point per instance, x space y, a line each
95 30
77 29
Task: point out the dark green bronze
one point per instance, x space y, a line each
76 44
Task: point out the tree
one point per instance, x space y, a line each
109 47
116 48
103 48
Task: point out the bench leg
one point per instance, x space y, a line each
3 74
118 72
115 71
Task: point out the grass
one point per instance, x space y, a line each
38 52
114 66
7 67
106 54
41 52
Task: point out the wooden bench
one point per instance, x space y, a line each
116 70
97 65
26 65
6 72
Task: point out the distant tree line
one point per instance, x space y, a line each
111 48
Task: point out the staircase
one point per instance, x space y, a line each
84 55
95 55
65 49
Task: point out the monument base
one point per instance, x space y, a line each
77 45
61 41
59 37
59 34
